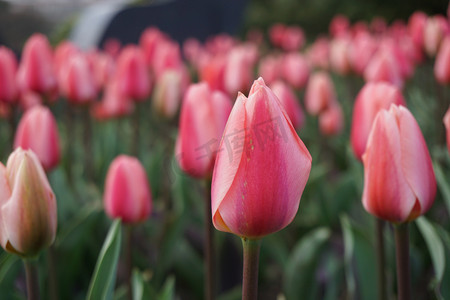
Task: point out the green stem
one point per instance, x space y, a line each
87 144
250 270
32 279
135 143
402 256
52 276
209 246
380 259
128 258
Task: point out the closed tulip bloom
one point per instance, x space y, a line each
442 63
149 41
399 181
169 90
372 98
212 71
447 127
127 193
114 103
37 130
339 55
77 80
339 26
63 52
295 70
167 56
238 71
319 52
289 102
36 71
132 75
331 121
383 67
293 38
361 51
28 205
258 181
269 68
319 93
8 69
203 117
435 30
416 26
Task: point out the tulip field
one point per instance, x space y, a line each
270 166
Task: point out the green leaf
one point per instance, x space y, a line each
302 264
7 260
168 290
436 249
443 185
104 278
141 289
348 255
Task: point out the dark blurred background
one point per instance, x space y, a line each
183 18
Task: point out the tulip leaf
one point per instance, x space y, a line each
445 236
104 278
348 255
443 185
141 290
168 290
435 247
302 263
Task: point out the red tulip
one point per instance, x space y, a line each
212 71
399 181
36 71
28 206
295 69
127 192
331 121
319 93
416 25
8 69
339 26
442 63
289 102
276 33
372 98
293 38
132 75
77 80
261 168
38 131
202 120
447 127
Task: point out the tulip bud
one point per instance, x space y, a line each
114 103
442 63
331 121
260 174
416 25
8 69
399 181
28 205
383 66
168 93
339 55
436 28
372 98
319 93
295 70
132 74
269 68
38 131
447 127
289 102
238 71
196 144
36 71
127 193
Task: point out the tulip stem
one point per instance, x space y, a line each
87 144
136 131
402 256
209 246
380 259
32 279
52 276
128 258
250 270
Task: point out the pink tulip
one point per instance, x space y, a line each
361 50
399 181
114 103
238 71
127 193
77 80
132 75
36 71
339 26
196 145
435 30
103 67
149 41
63 52
442 63
8 69
28 206
319 53
295 69
447 127
372 98
167 55
276 34
212 71
331 121
416 26
29 99
38 131
320 93
220 44
192 50
384 67
289 102
293 38
339 56
269 68
169 90
378 25
261 168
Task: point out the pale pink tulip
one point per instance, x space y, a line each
289 102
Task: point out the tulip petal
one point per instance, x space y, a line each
416 161
5 194
387 194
